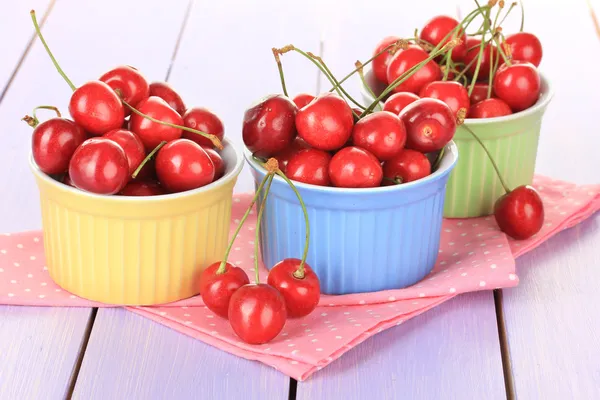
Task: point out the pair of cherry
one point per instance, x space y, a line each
258 312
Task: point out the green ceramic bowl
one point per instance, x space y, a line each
512 140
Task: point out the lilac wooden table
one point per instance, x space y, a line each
538 340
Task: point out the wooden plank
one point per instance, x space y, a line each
450 352
39 348
131 357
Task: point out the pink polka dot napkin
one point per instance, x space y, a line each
474 255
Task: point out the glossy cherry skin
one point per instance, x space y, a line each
484 67
382 133
396 102
268 125
99 166
147 188
436 30
453 94
403 60
380 63
353 167
130 84
310 166
408 166
430 125
257 313
131 144
302 99
518 85
183 165
520 213
217 161
168 94
301 295
490 108
283 157
204 120
326 122
53 143
216 289
96 108
479 93
525 47
152 133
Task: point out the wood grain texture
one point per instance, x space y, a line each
38 350
131 357
450 352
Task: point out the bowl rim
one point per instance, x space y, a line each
542 102
225 179
449 160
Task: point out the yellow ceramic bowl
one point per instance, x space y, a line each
135 250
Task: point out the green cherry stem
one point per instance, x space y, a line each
522 16
438 160
221 268
270 176
147 159
215 140
280 68
505 57
34 121
39 34
359 67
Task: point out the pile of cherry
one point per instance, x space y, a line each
488 74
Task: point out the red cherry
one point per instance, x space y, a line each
381 133
479 93
204 120
302 99
396 102
520 213
490 108
148 172
132 85
453 94
152 133
283 157
99 166
268 126
403 60
407 166
96 108
183 165
217 162
148 188
353 167
325 123
168 94
525 47
473 53
216 289
438 28
301 295
257 313
380 63
53 143
67 180
131 144
518 85
430 125
310 166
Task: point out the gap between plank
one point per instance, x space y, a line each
27 48
293 389
186 17
86 338
504 348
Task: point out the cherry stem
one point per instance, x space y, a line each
215 140
34 121
522 16
147 159
482 45
280 68
359 67
39 34
397 180
505 57
270 176
504 185
438 160
223 264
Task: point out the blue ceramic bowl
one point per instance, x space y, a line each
361 240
